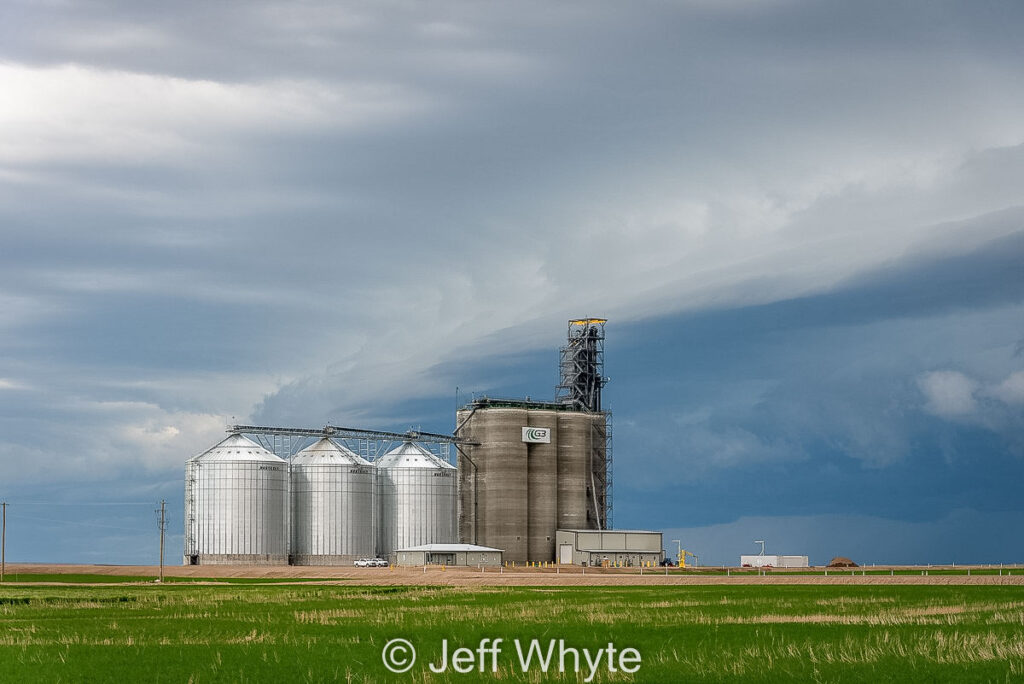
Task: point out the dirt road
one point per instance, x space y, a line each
571 576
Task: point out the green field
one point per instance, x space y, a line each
251 633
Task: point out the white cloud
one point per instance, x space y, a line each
79 113
991 404
107 439
159 440
948 394
1010 390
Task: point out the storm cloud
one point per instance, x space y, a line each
804 221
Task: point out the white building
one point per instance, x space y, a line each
606 547
765 561
448 554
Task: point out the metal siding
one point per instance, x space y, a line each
643 542
332 510
191 530
239 508
417 505
565 537
613 540
236 496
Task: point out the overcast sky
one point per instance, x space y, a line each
805 222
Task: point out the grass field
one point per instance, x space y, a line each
315 633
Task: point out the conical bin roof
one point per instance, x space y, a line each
328 452
237 448
411 455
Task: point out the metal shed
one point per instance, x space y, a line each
448 554
608 547
773 561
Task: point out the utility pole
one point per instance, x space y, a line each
3 543
163 526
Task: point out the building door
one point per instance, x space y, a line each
440 559
565 554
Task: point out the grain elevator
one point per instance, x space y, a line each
528 468
332 495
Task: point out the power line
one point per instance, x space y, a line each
85 503
162 511
161 520
3 543
79 522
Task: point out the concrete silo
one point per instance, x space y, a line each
332 505
542 486
528 469
236 496
574 447
500 483
416 498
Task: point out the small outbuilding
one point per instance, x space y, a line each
448 554
771 561
609 547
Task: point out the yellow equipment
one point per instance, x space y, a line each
683 553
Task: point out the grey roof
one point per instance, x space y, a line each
613 531
637 552
237 448
410 455
326 451
449 548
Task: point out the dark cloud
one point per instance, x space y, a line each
823 405
961 536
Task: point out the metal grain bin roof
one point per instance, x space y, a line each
410 455
328 452
237 448
442 548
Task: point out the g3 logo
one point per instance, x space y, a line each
534 434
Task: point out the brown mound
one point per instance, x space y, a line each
842 562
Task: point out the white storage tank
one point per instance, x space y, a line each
417 497
332 505
236 496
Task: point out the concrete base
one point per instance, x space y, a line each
236 559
